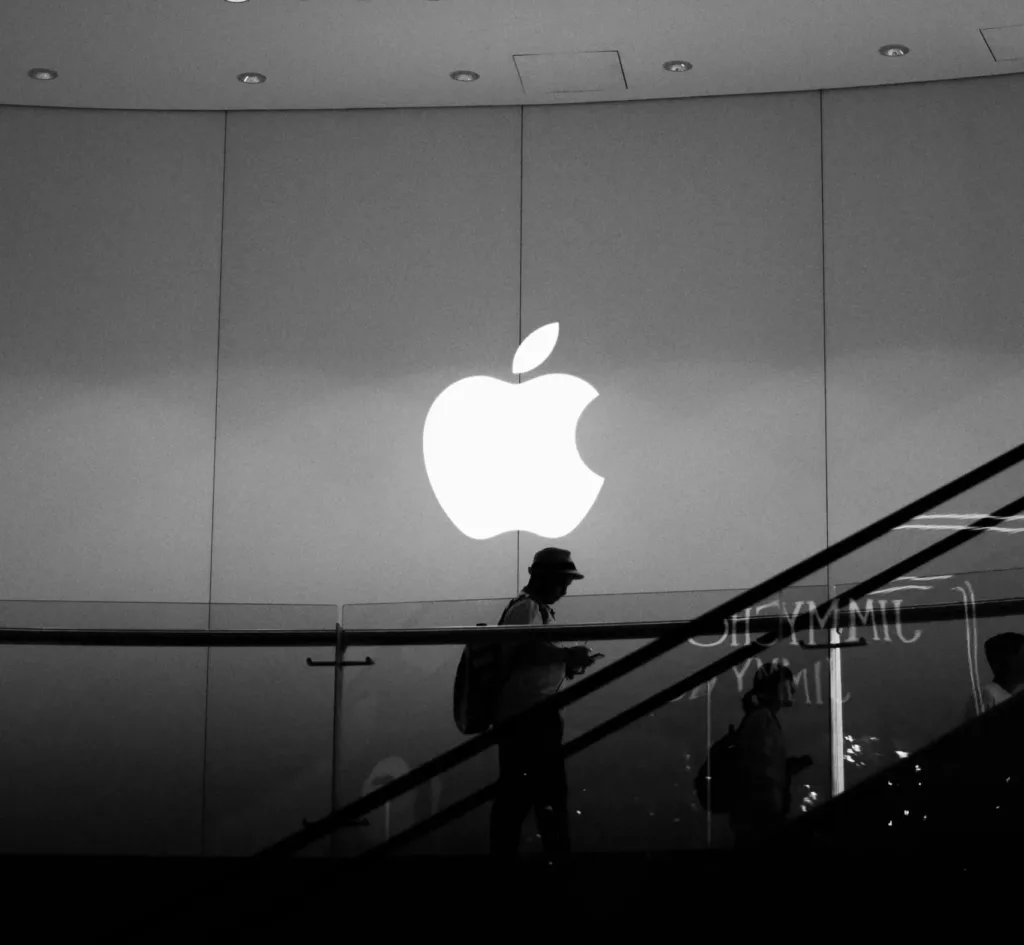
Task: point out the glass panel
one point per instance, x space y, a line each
117 749
396 715
635 790
268 746
102 750
916 681
269 731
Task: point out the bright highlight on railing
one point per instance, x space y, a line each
949 522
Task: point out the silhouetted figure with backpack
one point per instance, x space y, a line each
532 772
762 768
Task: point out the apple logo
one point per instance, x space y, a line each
502 457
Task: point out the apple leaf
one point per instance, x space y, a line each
535 348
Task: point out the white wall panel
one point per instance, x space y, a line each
110 249
371 259
923 237
679 246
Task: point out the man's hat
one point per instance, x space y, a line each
555 562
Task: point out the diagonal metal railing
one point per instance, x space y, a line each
671 637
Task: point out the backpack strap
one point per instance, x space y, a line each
508 607
512 651
545 611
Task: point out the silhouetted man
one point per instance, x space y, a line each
764 770
532 772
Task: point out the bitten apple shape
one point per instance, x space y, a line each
502 457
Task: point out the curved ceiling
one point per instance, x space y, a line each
328 54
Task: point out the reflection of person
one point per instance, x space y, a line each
1005 655
532 772
763 768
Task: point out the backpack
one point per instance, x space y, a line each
721 761
482 673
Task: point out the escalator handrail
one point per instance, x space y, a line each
639 630
435 636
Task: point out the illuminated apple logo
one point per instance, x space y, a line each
502 457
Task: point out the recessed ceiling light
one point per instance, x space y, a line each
894 50
237 1
465 75
43 73
251 78
677 65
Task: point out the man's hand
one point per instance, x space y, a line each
578 659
